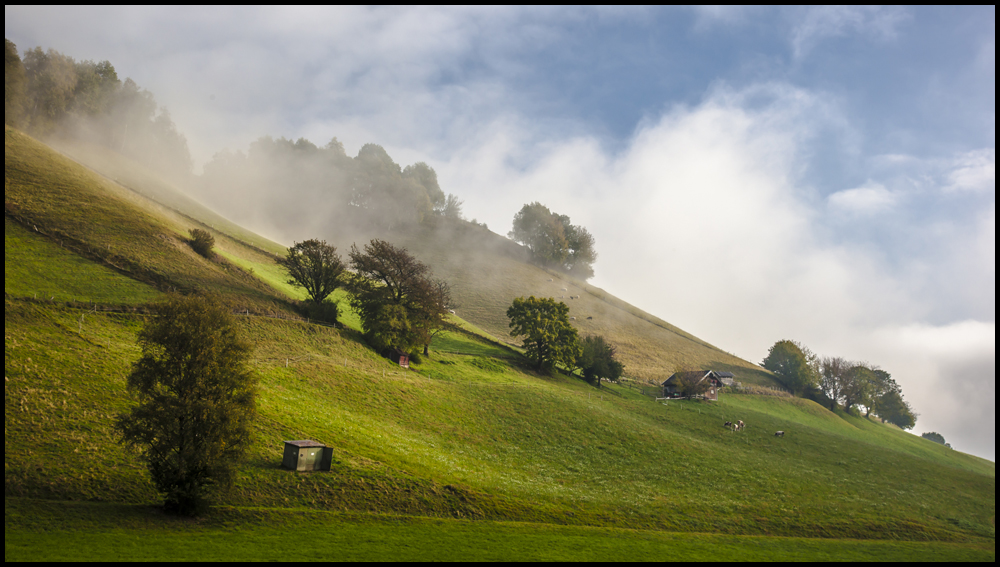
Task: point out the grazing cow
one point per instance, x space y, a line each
740 425
779 434
727 424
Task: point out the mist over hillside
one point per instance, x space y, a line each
828 197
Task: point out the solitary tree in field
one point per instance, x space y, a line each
195 397
597 361
400 305
549 339
315 266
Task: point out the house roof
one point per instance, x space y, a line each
702 374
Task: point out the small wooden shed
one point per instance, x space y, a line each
401 357
306 455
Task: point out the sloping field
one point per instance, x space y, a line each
486 273
468 435
96 218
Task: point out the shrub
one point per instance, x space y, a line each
202 242
326 311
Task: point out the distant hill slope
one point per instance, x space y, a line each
468 433
486 272
92 216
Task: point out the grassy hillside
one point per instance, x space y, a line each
486 273
467 443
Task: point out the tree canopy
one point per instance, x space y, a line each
553 241
549 339
790 361
47 92
400 305
195 394
315 266
597 360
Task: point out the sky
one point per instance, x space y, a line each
820 174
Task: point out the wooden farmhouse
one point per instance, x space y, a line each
717 380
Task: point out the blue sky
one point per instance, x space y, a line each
825 174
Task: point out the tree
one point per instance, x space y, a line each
857 385
881 386
834 373
201 241
195 395
894 409
597 361
315 266
554 241
15 85
537 228
790 362
549 339
399 304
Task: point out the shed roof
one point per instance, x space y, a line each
305 443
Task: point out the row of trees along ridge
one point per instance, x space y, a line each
50 94
837 382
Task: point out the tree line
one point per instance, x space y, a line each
47 93
369 190
840 383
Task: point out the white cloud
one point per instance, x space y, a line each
868 199
703 217
703 220
974 171
822 22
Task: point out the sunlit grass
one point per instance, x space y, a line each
468 432
123 533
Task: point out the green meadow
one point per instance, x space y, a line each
468 455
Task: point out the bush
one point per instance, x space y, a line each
325 312
202 242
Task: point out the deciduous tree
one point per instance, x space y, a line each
597 360
400 305
549 339
195 395
315 266
790 362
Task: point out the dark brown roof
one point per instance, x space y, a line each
698 374
687 374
